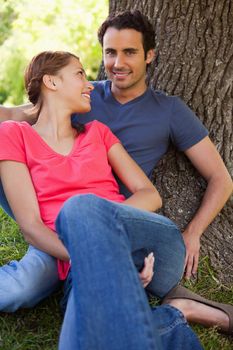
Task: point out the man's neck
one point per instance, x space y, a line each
125 95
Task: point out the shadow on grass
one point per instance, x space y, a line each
32 329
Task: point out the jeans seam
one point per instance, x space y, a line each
180 320
148 220
144 318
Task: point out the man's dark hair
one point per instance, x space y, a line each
130 20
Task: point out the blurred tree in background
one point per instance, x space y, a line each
28 27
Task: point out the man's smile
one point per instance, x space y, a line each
120 74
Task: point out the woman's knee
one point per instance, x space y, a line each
82 205
87 217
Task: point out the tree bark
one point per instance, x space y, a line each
194 59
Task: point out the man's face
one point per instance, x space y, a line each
124 59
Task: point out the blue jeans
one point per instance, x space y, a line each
107 306
35 276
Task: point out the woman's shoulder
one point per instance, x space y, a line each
13 125
13 129
96 131
95 124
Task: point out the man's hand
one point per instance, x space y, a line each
147 272
206 159
192 244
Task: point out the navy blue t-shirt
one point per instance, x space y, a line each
147 124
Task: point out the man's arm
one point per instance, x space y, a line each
208 162
18 113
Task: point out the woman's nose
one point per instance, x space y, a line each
90 86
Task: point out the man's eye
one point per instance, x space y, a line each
110 53
130 53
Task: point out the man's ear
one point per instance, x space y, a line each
49 82
150 56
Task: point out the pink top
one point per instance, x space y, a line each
57 177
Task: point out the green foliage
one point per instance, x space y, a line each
11 76
28 27
7 16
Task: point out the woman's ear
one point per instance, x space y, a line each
49 82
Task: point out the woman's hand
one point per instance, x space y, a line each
147 272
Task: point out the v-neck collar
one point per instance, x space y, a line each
109 96
45 145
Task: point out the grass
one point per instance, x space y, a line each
38 328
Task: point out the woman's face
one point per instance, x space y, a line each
73 88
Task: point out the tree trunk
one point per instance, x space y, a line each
194 46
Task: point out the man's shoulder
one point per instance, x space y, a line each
163 96
163 102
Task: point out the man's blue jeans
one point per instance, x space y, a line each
107 306
35 276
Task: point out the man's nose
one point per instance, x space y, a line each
119 61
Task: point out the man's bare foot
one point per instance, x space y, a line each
197 312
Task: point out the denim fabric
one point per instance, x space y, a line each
107 306
66 292
26 282
106 287
35 276
174 330
168 321
3 202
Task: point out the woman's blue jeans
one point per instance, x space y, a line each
107 306
34 277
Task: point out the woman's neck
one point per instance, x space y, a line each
54 127
54 123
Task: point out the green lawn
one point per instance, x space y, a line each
39 328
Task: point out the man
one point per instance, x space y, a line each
145 121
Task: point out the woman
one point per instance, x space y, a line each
65 169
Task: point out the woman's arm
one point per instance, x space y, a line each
22 198
145 196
